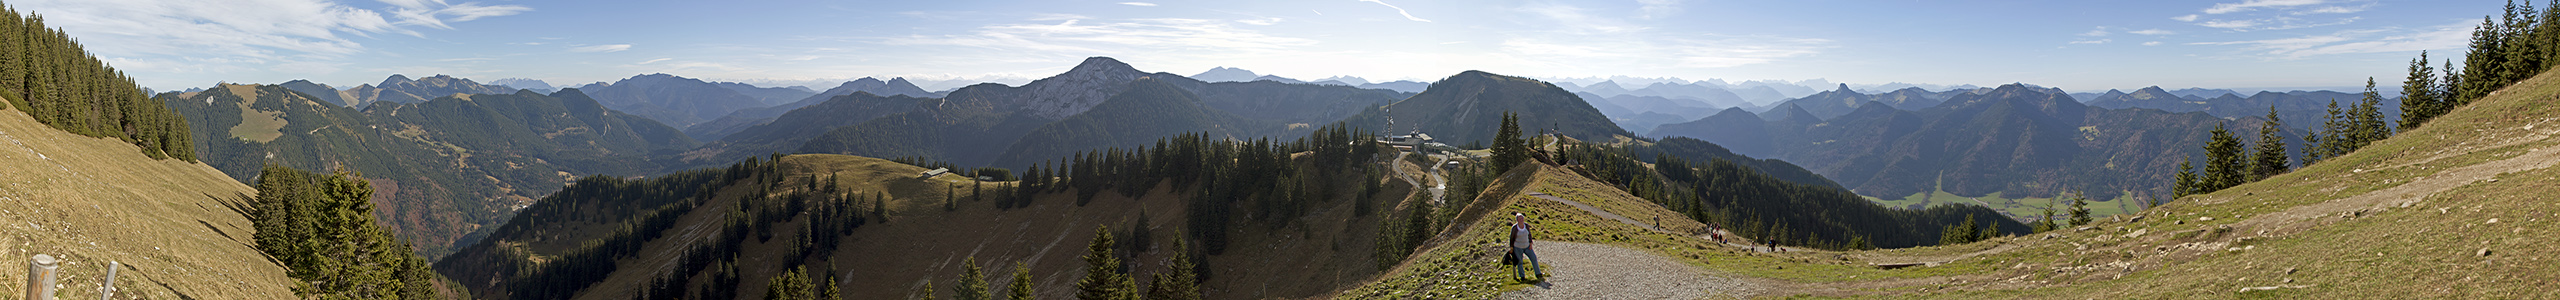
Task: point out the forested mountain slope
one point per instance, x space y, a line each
443 167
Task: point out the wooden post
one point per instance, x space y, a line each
108 291
40 274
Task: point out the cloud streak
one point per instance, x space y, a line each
1399 10
601 48
2357 41
2224 8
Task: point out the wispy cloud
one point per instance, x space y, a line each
2252 15
1658 8
2224 8
1577 19
434 13
601 48
2152 32
2101 31
1262 21
2357 41
2092 42
1138 4
652 61
2151 43
1399 10
300 36
1071 38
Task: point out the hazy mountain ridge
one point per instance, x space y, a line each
673 100
744 118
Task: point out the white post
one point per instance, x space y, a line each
40 274
108 291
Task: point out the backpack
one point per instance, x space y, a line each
1511 257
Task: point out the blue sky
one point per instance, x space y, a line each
2075 45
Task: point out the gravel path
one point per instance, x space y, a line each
1588 271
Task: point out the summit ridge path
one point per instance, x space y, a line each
1590 271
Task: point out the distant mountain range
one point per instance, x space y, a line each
2017 140
442 167
535 85
397 88
994 124
1467 108
743 118
676 101
769 95
2302 111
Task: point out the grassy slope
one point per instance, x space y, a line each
92 200
2407 217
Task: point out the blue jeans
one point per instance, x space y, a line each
1528 257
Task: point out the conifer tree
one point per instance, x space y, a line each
2418 99
2367 120
1020 289
2223 167
790 285
1177 282
2272 158
1102 277
973 282
2187 182
2080 209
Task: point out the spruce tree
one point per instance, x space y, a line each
1102 277
928 292
2368 124
790 285
1020 289
1177 282
2223 167
2187 182
2271 158
973 282
2418 99
2080 209
1508 149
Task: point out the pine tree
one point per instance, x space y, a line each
2187 183
2325 142
1177 282
2418 99
790 285
2368 124
973 282
1020 289
2046 223
2272 158
1509 149
1102 277
2223 167
2080 209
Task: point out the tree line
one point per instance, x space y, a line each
51 77
321 229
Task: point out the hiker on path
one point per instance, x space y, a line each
1520 245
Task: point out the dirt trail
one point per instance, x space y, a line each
2409 193
1589 271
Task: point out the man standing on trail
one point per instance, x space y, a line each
1520 245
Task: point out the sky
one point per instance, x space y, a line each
2075 45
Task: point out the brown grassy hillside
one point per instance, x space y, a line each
90 200
921 242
